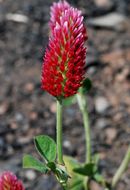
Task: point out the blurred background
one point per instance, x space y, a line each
26 111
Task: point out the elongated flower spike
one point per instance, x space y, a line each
57 10
8 181
64 61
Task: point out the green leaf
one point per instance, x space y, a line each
76 180
87 170
46 146
99 178
69 101
70 164
96 159
78 186
87 85
32 163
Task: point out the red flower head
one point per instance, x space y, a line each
8 181
63 67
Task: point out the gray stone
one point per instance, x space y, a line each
101 104
30 175
66 144
102 123
17 18
106 4
19 117
112 20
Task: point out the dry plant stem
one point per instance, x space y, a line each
59 133
122 168
82 105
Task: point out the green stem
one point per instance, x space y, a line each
86 183
87 134
59 133
65 187
82 105
122 168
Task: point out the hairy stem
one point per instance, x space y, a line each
82 105
121 168
59 133
83 108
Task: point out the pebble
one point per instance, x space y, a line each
19 117
13 125
103 3
70 111
53 107
4 108
33 116
102 123
1 143
17 18
101 104
92 70
30 175
77 131
24 140
10 150
3 128
111 134
111 20
29 87
66 144
95 186
10 138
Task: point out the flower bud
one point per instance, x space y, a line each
8 181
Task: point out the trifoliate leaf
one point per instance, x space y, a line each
46 146
32 163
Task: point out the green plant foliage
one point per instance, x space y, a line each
75 182
99 178
78 185
96 159
52 166
32 163
87 85
61 175
46 146
86 170
69 101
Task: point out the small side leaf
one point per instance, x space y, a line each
87 170
76 180
87 85
46 146
96 159
32 163
99 178
69 101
